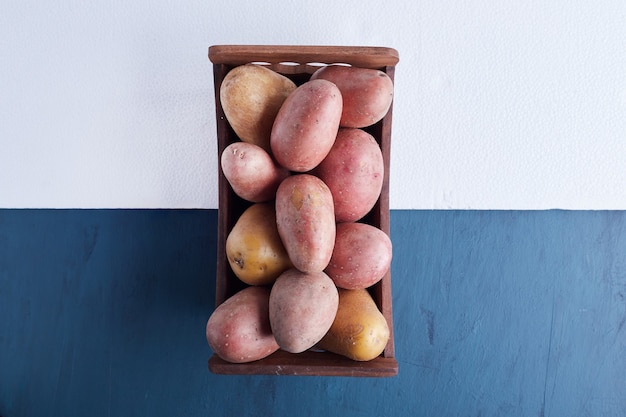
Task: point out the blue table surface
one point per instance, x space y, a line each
496 313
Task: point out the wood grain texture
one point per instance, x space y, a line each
360 56
102 312
307 363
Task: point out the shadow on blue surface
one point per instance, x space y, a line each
102 312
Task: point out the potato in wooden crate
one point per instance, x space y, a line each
294 67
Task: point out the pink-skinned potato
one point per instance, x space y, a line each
353 170
239 329
305 220
302 309
367 93
251 171
306 125
361 256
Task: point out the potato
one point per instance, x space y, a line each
302 308
367 93
253 247
361 256
306 221
306 125
251 171
239 329
354 171
359 331
251 96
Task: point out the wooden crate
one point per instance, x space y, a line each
298 63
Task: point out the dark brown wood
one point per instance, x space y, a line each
385 296
230 206
296 62
360 56
307 363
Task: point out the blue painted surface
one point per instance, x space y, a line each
496 313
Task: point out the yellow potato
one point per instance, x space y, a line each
251 96
253 247
360 331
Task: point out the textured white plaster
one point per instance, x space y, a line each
499 105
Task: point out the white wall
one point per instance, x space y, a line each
499 104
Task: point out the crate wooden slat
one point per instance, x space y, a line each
297 63
308 363
361 56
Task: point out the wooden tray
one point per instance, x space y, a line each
298 63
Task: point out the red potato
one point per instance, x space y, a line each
306 125
306 221
239 329
302 307
353 170
361 256
367 93
251 172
